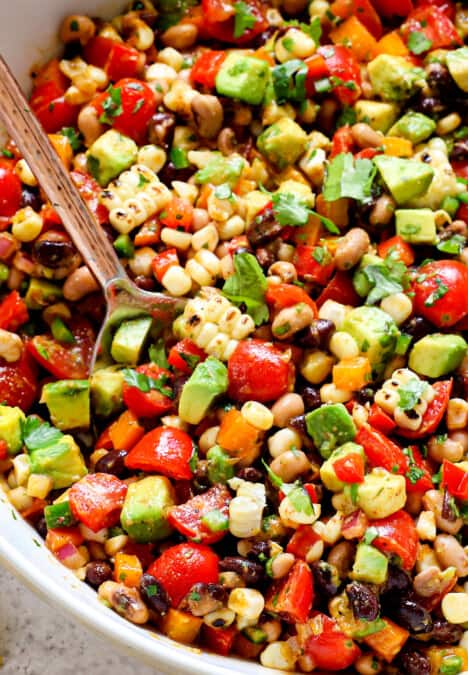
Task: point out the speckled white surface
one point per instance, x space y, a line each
35 639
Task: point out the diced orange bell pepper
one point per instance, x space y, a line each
125 432
308 234
387 643
149 233
392 44
354 34
397 147
205 192
181 626
244 186
264 55
239 438
36 509
63 148
60 536
352 374
336 211
127 569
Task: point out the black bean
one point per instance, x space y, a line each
145 283
364 601
398 584
53 252
317 335
161 128
264 228
299 424
215 591
412 616
413 662
265 258
169 173
260 551
250 474
251 572
97 572
365 395
430 105
311 397
460 150
445 632
417 327
439 78
154 595
41 527
113 462
324 579
30 197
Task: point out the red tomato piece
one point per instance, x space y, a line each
434 413
178 215
314 263
65 361
123 61
3 450
189 518
292 597
137 106
90 190
219 640
455 479
51 72
363 10
434 24
185 356
162 261
206 67
340 288
381 451
220 23
418 476
447 7
150 403
328 647
343 65
343 141
13 312
400 248
461 169
397 534
379 419
97 500
57 114
350 469
182 566
18 382
440 292
389 8
257 371
10 190
164 450
285 295
302 541
97 50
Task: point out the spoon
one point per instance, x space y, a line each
123 298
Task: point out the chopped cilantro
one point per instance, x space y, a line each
247 286
145 383
439 293
7 153
348 116
274 478
157 354
353 491
292 210
418 42
289 81
414 472
321 255
300 500
410 393
313 30
369 535
452 246
347 177
112 105
386 279
73 136
244 18
37 434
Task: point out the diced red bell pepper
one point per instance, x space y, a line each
434 412
367 153
462 212
397 534
150 403
328 647
182 566
306 260
421 467
219 640
342 141
190 518
97 500
164 450
51 72
392 8
185 356
178 215
56 114
292 597
396 245
3 450
379 419
206 67
10 191
280 296
123 61
447 6
219 21
455 479
13 312
302 541
162 261
340 289
45 93
435 25
350 468
363 10
90 191
343 65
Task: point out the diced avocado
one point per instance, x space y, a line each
220 465
145 510
361 283
109 155
457 63
381 494
68 403
283 142
416 226
405 178
329 426
437 354
377 114
375 333
10 428
129 340
327 472
393 78
41 293
106 391
61 460
243 77
414 126
208 380
369 565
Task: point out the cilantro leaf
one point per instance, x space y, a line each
410 393
414 472
289 81
347 177
291 210
299 498
244 18
157 354
418 42
348 116
382 282
38 435
221 170
172 11
439 293
112 105
146 384
275 480
452 246
312 29
73 136
247 286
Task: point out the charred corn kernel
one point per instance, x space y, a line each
258 415
331 530
176 239
220 346
179 98
26 224
457 414
294 45
360 415
399 306
220 618
316 366
333 311
177 281
25 174
115 544
152 156
455 607
318 8
313 165
11 346
410 421
22 469
100 536
245 517
284 440
207 238
247 604
171 57
426 526
242 327
232 227
329 393
20 499
39 485
387 400
219 209
185 190
448 124
208 332
86 80
140 264
278 655
343 345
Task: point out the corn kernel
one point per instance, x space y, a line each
455 607
258 415
284 440
457 414
426 526
22 469
334 311
39 486
206 238
331 394
19 498
179 240
316 366
26 224
278 655
25 174
152 156
343 345
177 281
398 306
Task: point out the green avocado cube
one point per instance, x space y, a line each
416 226
329 426
361 283
41 293
243 77
283 142
437 354
375 333
10 428
106 391
68 402
414 126
379 115
61 460
129 340
109 155
394 78
145 510
457 63
405 178
208 380
370 565
327 471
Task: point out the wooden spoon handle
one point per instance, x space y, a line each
24 128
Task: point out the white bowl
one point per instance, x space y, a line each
28 30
